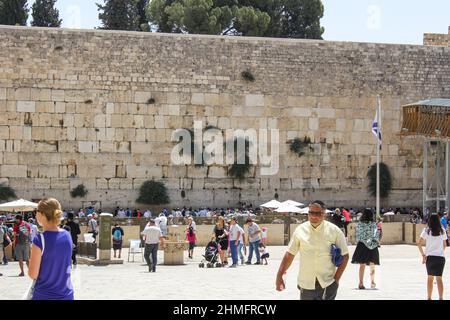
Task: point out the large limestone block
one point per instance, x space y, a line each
100 121
217 172
126 184
175 171
58 95
144 172
254 100
22 94
88 146
364 149
212 99
42 183
313 124
61 184
26 106
13 171
218 183
4 132
198 99
325 113
142 96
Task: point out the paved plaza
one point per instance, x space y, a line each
401 276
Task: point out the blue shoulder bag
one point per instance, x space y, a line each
336 256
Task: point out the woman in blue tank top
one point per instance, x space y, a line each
51 253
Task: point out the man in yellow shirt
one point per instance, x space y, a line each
318 277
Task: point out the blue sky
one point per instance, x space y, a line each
383 21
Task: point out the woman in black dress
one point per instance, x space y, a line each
366 252
221 235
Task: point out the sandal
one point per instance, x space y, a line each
373 285
361 287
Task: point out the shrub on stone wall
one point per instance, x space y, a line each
298 145
385 180
153 192
247 75
79 191
239 168
7 193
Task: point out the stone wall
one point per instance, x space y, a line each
74 108
436 39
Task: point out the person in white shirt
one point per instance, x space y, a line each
147 214
234 236
152 236
161 222
434 256
34 229
81 213
241 244
92 226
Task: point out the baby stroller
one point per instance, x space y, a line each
211 256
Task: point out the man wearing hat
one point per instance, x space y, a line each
234 237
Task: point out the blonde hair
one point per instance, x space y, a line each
51 209
220 219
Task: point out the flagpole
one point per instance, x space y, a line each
378 155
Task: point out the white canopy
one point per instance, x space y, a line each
389 213
292 203
18 205
306 210
272 204
288 208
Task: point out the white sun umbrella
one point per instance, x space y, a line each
390 213
306 210
288 208
292 203
18 205
272 204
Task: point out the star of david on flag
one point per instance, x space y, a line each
376 129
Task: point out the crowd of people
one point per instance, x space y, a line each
322 246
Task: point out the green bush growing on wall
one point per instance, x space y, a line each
79 191
385 180
153 192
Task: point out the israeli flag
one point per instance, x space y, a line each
376 130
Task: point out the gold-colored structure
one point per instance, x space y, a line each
431 119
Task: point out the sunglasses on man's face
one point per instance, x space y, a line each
315 213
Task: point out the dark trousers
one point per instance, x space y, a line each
151 255
319 293
74 255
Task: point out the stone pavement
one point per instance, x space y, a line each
401 276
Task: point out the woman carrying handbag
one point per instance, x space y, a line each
51 253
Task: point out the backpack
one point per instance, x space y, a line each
117 235
23 234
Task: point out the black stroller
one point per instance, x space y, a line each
211 255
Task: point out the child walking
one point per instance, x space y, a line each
263 252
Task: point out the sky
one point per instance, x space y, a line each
380 21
